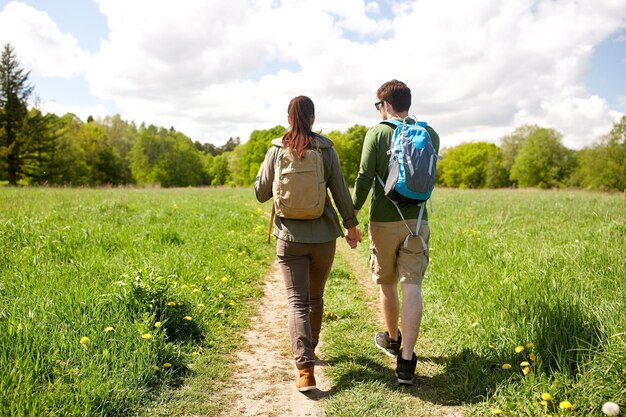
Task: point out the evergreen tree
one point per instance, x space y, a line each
39 136
14 93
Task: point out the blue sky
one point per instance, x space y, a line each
219 69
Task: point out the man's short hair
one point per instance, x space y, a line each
395 93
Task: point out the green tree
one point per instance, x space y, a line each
218 170
603 165
230 144
122 135
14 94
254 151
543 161
182 164
105 163
39 137
69 162
348 146
165 157
510 146
468 165
206 148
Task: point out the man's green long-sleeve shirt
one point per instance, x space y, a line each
375 161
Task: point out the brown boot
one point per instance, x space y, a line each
306 380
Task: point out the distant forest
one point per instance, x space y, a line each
45 149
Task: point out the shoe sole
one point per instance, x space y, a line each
304 389
391 355
405 381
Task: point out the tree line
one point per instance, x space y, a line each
37 148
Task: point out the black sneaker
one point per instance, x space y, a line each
386 344
405 370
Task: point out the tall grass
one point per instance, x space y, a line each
542 271
144 278
151 277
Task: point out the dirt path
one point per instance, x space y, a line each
263 383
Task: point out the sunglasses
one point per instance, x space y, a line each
379 104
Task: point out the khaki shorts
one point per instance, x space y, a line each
390 260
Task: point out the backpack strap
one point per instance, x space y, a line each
392 123
419 218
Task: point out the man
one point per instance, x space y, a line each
394 257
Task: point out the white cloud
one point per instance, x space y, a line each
83 112
477 70
39 44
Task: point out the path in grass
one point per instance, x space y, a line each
425 397
263 381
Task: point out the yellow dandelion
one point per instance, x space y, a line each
108 329
200 305
156 368
224 279
231 302
184 286
158 324
146 336
524 364
171 303
497 411
519 349
532 357
187 318
566 405
506 366
526 371
84 341
544 403
167 365
196 290
548 415
530 345
546 396
208 278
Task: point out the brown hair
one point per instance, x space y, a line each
395 93
300 137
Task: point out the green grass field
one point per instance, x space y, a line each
151 280
144 278
542 272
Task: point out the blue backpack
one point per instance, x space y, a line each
412 164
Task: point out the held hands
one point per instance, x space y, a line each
353 237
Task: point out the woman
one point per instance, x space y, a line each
306 248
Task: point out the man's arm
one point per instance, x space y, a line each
367 171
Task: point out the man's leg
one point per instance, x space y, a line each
384 241
411 317
390 304
412 263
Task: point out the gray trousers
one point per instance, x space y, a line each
305 268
